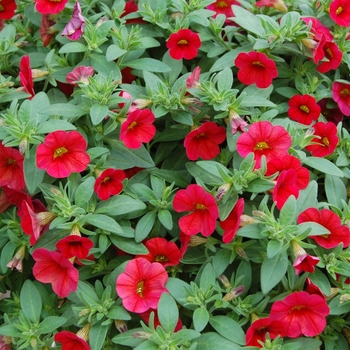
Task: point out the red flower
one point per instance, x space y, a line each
257 331
109 183
71 341
130 8
255 67
162 251
146 316
141 285
326 139
333 55
231 224
303 109
341 95
50 6
204 141
75 27
127 76
301 314
80 74
183 44
7 9
303 261
15 197
47 31
62 153
74 246
26 76
11 168
313 289
277 4
223 7
339 11
318 29
203 208
138 128
331 111
264 139
338 233
53 267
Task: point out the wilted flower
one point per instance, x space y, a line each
75 27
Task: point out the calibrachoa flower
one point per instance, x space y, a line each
277 4
183 44
109 183
285 187
62 153
334 56
264 139
341 95
223 7
325 140
330 110
303 262
138 128
52 267
162 251
25 76
75 27
71 341
7 9
318 29
301 314
255 68
204 141
203 208
80 74
338 233
74 246
141 285
339 11
303 109
50 6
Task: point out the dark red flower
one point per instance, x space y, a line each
325 140
127 76
129 173
223 7
7 9
62 153
339 11
331 111
162 251
303 109
26 76
52 267
255 68
231 224
141 285
301 314
146 318
203 208
264 139
138 128
257 331
341 95
11 168
303 262
71 341
204 141
277 4
15 197
50 6
131 7
333 55
183 44
47 31
74 246
109 183
338 233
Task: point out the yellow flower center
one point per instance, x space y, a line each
139 288
10 161
1 8
132 125
55 0
325 141
304 109
261 146
339 10
221 4
200 206
345 92
329 52
258 63
106 179
60 152
161 258
183 42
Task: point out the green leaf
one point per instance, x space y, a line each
30 300
128 245
108 68
73 47
307 197
214 341
127 339
32 174
225 79
323 165
105 223
288 211
200 319
207 277
10 331
84 191
321 281
53 125
87 294
165 218
250 231
228 328
67 110
335 190
178 289
97 336
98 113
221 260
120 205
260 185
302 343
149 64
248 21
117 312
168 313
51 323
145 225
272 271
274 247
113 52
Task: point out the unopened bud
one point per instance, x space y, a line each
38 73
234 293
197 240
247 220
75 231
84 312
344 298
141 335
121 326
309 43
141 103
84 332
334 292
101 21
225 282
16 262
56 191
240 251
259 214
222 190
254 317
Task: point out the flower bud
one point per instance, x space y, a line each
38 73
16 262
83 333
234 293
225 282
222 190
121 326
141 335
197 240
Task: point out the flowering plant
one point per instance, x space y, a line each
174 174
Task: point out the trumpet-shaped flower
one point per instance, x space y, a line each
183 44
303 109
71 341
341 95
26 76
50 6
339 11
7 9
109 183
74 246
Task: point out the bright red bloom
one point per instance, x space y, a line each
146 316
75 27
11 168
74 246
338 233
303 261
257 331
183 44
277 4
62 153
255 67
138 128
303 109
231 224
333 55
339 11
317 49
162 251
318 29
109 183
131 7
50 6
326 139
80 74
341 95
71 341
15 197
223 7
26 76
301 314
141 285
7 9
203 208
52 267
47 31
331 111
285 187
204 141
313 289
264 139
